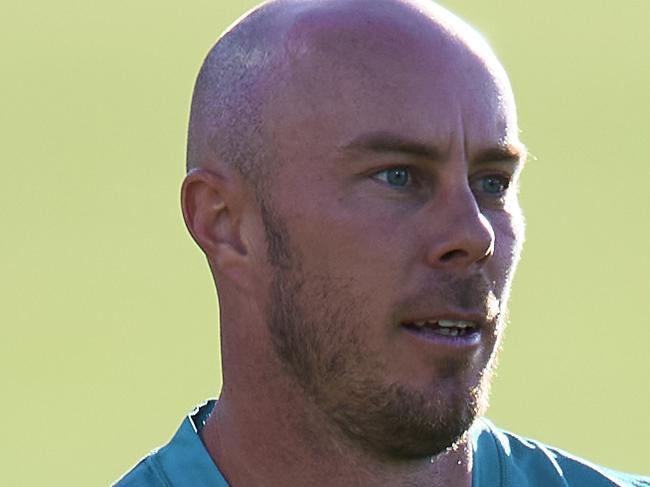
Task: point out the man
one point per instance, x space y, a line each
352 179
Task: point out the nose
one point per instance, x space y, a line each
462 235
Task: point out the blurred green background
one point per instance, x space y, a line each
108 314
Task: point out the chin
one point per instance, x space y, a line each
401 424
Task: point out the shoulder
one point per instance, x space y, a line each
183 462
505 459
143 474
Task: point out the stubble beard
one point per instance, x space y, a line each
312 322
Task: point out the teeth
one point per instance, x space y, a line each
445 324
455 324
453 332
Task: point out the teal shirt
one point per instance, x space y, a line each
501 459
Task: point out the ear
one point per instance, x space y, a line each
212 209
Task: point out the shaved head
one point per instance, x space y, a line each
226 125
254 61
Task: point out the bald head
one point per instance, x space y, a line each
286 54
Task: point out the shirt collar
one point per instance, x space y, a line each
187 463
185 460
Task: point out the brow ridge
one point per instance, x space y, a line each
387 142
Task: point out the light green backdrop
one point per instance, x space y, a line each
108 314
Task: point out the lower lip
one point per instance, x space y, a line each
468 340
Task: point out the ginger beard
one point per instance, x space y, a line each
314 323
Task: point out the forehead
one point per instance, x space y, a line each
381 72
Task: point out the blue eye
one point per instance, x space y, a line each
494 184
395 176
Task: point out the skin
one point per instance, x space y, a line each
318 269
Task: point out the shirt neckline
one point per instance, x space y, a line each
186 462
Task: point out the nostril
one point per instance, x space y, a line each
453 254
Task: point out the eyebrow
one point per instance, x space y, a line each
385 142
505 153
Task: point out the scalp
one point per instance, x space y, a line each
253 63
226 123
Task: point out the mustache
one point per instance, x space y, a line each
469 293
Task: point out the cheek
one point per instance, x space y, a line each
370 256
355 241
509 236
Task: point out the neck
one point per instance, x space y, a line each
261 441
265 431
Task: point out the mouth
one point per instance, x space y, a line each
460 332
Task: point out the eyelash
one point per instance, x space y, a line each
412 179
504 179
409 172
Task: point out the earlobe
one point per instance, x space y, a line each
212 212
